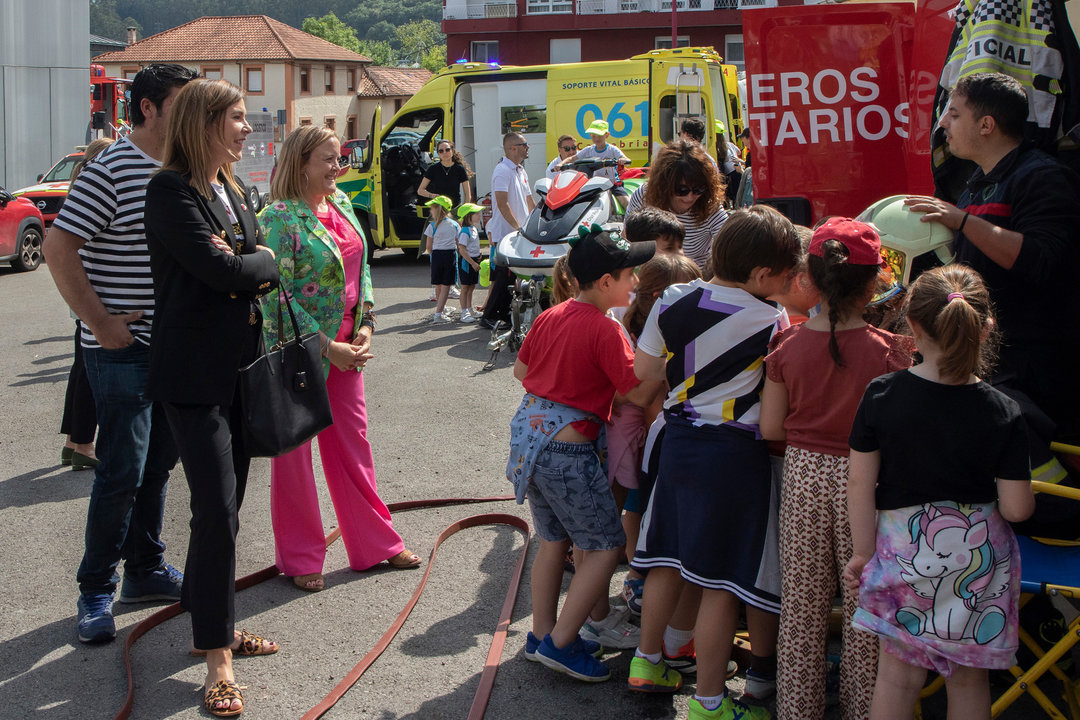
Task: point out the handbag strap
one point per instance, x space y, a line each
284 299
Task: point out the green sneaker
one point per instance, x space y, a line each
646 677
730 709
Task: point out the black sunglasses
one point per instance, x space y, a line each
569 148
446 149
684 190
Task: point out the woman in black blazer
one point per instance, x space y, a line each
209 268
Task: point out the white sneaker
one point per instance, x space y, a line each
614 631
431 298
467 317
454 292
439 319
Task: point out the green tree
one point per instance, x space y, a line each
418 38
105 21
435 58
396 12
382 30
380 52
328 27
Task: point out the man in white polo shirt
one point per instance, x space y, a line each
512 202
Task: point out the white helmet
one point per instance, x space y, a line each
907 242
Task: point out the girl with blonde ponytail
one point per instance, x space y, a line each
939 467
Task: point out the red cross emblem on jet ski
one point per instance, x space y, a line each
537 252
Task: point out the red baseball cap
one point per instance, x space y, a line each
861 240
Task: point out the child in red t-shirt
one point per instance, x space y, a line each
572 363
815 377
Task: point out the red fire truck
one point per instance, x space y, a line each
108 104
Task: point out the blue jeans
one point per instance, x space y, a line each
136 452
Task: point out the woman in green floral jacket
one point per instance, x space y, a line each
321 253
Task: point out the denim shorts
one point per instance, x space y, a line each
569 497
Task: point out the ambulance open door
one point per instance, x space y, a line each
677 91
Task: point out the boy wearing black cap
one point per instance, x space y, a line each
572 364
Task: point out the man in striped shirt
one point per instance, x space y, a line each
99 260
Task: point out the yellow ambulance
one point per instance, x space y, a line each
643 99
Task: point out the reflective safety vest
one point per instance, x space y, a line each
1010 37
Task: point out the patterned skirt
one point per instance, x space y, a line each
943 587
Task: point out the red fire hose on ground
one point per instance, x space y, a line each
491 665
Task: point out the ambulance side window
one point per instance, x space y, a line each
667 118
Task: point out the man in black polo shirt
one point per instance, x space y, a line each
1018 224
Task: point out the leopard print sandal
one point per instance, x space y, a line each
226 692
251 645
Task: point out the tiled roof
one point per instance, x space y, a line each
240 37
390 81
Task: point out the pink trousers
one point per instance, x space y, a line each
366 528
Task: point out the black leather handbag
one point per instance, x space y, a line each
283 393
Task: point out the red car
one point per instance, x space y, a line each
52 188
22 232
348 146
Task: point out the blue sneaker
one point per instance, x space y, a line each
572 660
162 584
531 643
632 590
95 618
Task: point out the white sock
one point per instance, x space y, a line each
675 639
710 703
651 657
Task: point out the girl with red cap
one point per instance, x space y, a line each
815 376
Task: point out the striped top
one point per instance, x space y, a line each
105 208
714 338
699 233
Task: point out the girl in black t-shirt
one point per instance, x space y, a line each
938 576
449 176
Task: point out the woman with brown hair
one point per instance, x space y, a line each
326 277
684 180
210 266
449 176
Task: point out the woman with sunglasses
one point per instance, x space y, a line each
322 257
567 148
684 180
449 176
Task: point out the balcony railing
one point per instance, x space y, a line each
614 7
477 10
549 7
458 10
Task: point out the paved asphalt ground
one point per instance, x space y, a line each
438 429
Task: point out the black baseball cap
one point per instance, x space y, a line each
599 252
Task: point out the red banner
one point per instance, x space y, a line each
838 107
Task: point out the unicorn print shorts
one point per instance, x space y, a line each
943 587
